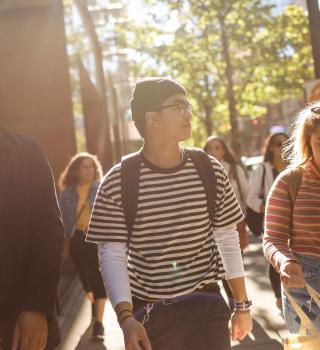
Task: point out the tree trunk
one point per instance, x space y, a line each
207 118
232 105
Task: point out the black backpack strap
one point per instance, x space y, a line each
130 172
203 165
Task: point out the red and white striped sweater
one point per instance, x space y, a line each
281 239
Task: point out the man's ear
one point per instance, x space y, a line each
152 119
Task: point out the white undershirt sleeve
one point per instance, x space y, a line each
227 241
113 267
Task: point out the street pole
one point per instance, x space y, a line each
314 24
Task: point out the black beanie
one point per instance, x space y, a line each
150 93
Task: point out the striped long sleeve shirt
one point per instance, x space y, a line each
293 230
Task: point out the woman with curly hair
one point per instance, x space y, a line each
291 241
78 185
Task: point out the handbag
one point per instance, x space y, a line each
308 337
253 219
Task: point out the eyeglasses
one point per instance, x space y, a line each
181 107
315 110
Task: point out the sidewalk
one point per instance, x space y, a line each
268 323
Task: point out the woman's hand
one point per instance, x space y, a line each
241 325
291 275
135 335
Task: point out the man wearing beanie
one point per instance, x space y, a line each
161 272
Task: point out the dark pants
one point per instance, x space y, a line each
275 281
85 258
196 321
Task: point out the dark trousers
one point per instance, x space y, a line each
275 281
85 258
196 321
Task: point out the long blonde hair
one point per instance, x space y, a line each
298 149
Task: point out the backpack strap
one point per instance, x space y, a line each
130 172
203 165
294 182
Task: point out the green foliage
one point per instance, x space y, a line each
229 54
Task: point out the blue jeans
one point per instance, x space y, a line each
311 270
196 321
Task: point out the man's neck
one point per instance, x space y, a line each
163 155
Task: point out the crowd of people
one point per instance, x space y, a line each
159 231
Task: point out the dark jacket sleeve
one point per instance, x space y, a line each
47 236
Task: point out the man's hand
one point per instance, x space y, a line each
30 332
135 335
291 275
241 325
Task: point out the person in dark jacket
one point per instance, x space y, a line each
78 184
31 243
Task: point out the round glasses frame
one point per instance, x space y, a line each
182 106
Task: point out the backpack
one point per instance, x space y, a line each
130 171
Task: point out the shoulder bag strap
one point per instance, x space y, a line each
294 182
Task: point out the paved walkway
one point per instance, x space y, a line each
268 323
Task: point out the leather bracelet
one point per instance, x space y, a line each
122 311
124 315
124 318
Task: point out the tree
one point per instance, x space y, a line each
234 57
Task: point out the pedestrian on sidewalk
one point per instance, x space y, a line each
78 184
31 244
291 241
161 273
261 180
218 148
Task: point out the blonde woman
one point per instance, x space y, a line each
78 185
292 232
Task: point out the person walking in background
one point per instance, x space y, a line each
261 180
218 148
291 242
78 184
31 244
161 273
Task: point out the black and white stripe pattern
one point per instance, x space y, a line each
172 249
